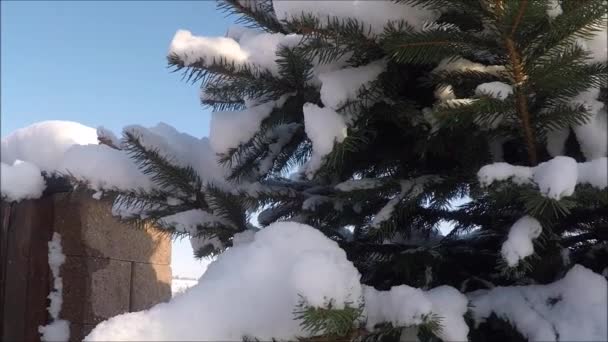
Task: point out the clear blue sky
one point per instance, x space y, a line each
102 63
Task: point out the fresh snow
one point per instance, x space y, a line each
404 306
519 242
69 148
228 129
597 45
359 184
340 86
281 265
409 187
189 222
248 47
496 89
593 134
374 14
570 309
555 178
22 180
462 64
554 9
323 127
57 329
44 143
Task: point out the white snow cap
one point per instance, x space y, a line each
555 178
247 47
570 309
323 127
44 143
497 90
340 86
519 243
375 14
22 180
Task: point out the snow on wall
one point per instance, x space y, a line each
44 143
57 329
519 242
555 178
570 309
69 148
22 180
282 261
374 14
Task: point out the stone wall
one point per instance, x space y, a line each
110 268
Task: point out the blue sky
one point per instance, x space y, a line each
102 63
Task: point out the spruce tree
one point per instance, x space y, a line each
487 81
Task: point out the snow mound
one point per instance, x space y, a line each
555 178
570 309
283 260
279 264
519 243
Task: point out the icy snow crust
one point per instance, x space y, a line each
276 265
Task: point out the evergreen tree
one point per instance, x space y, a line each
417 113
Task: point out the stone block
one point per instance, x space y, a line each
79 331
94 289
150 285
89 228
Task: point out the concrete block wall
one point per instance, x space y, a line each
110 268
